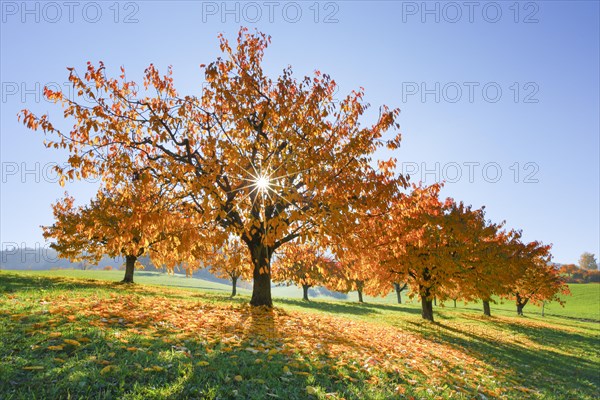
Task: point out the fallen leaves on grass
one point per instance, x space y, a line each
72 342
352 347
311 390
107 369
307 344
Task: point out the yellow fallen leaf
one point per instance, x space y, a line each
60 360
202 363
72 342
33 368
55 348
311 390
258 361
374 380
157 368
55 334
286 370
132 349
238 378
107 369
400 389
84 340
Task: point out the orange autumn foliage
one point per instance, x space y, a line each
266 159
303 264
536 280
229 260
129 220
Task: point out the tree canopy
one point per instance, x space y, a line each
268 160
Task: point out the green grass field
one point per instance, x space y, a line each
80 334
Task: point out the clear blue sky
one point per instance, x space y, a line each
487 89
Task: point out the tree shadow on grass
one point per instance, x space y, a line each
156 359
107 363
346 307
554 373
552 337
14 283
211 289
125 349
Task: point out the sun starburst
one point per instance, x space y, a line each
262 183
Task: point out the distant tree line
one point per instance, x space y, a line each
574 274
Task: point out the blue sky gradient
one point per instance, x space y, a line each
509 88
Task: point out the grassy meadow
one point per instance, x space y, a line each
81 334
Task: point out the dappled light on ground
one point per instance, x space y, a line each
149 342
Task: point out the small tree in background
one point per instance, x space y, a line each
303 264
398 288
231 261
483 257
355 272
122 221
588 261
419 246
537 280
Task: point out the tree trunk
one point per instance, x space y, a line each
520 304
305 292
129 268
426 304
261 290
359 288
234 286
543 306
434 301
486 308
454 303
426 309
399 290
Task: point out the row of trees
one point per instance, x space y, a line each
276 166
440 250
574 274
